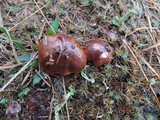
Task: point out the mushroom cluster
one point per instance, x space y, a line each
60 54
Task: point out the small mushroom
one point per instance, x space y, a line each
61 54
13 109
98 51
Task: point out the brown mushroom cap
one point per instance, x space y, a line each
60 54
98 51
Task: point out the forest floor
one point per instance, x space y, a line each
128 88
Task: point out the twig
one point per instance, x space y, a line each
151 47
145 62
64 87
156 98
51 105
13 48
21 70
43 78
44 16
138 29
26 77
4 49
156 54
1 19
8 67
40 34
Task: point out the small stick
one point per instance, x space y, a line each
40 34
51 105
65 93
44 16
8 67
1 19
26 77
13 48
138 29
137 53
43 78
151 47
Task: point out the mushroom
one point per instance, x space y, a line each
13 109
61 54
98 51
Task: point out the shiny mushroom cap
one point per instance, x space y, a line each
61 54
98 51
